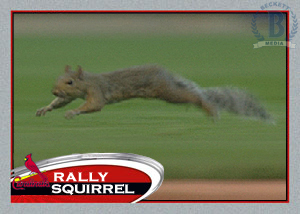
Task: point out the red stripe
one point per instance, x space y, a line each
145 11
288 107
11 92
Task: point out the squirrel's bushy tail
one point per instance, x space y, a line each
236 101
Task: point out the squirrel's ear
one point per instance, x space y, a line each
67 68
79 72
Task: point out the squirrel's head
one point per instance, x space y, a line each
71 84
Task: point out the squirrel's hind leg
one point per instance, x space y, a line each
186 96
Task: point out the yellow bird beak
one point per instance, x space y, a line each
25 159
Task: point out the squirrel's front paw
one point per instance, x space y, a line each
42 111
70 114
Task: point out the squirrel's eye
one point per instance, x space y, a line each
70 82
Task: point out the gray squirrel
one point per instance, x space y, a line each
148 81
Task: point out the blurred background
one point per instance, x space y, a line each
209 49
96 24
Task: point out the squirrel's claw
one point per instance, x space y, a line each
39 112
42 111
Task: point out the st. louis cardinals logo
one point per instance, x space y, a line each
29 163
33 168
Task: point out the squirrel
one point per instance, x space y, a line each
148 81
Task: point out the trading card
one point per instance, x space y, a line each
151 106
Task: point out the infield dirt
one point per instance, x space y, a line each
220 190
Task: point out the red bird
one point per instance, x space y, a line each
33 167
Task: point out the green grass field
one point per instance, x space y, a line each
187 143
